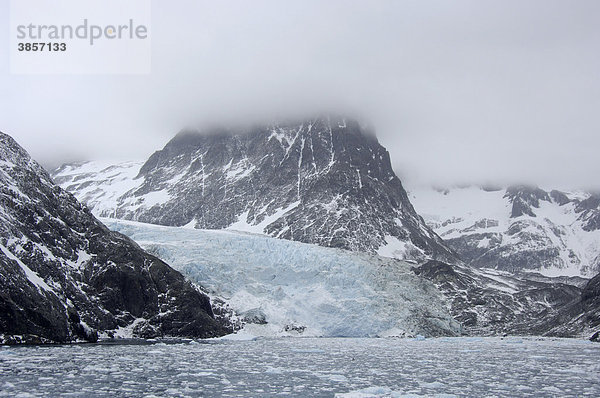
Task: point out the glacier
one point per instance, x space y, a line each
299 289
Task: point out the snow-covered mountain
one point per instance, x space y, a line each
321 181
64 276
329 182
516 228
280 287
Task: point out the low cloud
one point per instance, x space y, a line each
457 91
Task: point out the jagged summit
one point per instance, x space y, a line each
325 180
523 198
286 133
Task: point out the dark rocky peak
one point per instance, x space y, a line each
591 203
319 141
559 197
589 210
298 151
524 198
324 180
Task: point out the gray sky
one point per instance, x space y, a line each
457 90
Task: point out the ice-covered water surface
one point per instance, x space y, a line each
308 367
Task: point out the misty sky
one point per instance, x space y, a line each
457 91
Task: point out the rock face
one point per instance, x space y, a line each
65 276
581 317
323 181
489 302
517 228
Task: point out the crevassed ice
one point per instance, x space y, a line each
300 288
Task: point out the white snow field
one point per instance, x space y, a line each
299 289
308 367
100 184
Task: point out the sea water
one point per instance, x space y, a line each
307 367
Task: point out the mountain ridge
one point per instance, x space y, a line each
66 277
517 228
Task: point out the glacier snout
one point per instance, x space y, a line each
292 288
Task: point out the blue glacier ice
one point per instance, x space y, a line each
300 289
